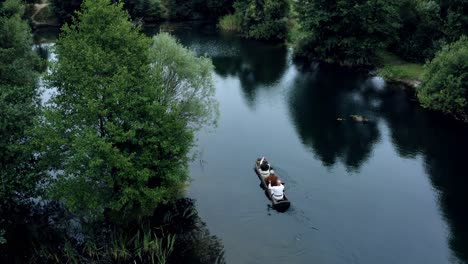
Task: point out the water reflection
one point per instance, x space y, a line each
324 94
442 143
256 65
321 104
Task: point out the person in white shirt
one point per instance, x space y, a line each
277 191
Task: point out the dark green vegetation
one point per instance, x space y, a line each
196 9
445 80
151 11
345 32
109 151
263 19
50 234
107 129
19 102
420 35
114 130
65 9
350 32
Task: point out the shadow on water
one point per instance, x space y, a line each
256 65
45 232
443 145
326 93
318 100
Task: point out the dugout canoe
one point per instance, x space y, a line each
280 206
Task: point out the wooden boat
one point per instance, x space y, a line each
280 206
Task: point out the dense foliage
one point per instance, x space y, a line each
148 10
345 32
420 35
18 102
151 11
112 133
197 9
263 19
445 81
65 9
455 20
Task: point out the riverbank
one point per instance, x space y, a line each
394 69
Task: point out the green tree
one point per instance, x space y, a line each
196 9
445 80
453 12
148 10
267 19
343 31
107 134
187 87
19 102
420 35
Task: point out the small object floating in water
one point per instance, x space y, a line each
340 119
359 118
281 205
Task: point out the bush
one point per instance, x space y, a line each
229 23
263 20
445 80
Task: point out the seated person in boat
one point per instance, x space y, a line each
273 178
277 192
264 167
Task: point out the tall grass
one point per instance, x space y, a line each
230 23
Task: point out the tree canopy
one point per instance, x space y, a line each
420 35
345 32
115 140
19 101
263 19
445 80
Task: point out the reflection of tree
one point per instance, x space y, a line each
318 99
48 232
255 64
442 144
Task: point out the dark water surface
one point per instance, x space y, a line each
389 191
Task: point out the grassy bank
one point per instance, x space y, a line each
392 68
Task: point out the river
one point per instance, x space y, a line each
391 190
